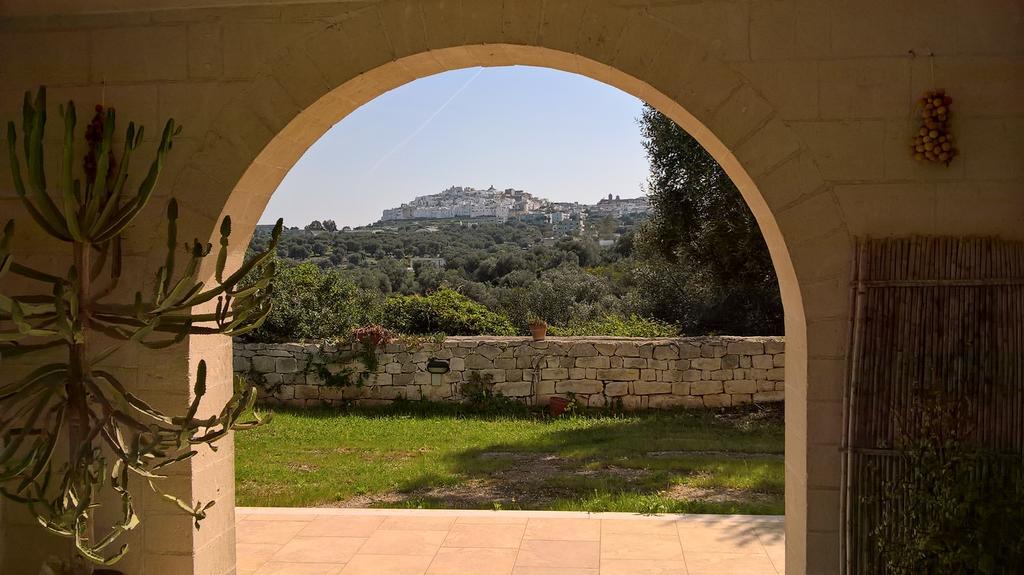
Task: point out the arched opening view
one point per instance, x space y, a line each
646 185
515 289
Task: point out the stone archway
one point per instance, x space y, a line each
317 81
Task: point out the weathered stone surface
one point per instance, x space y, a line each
669 351
689 351
555 373
673 401
637 362
489 351
706 387
712 350
514 388
628 349
241 363
690 375
307 391
718 400
681 388
616 388
477 361
768 396
495 375
779 360
620 374
286 365
745 347
740 386
583 350
264 364
722 374
600 362
579 386
762 362
651 387
708 363
741 398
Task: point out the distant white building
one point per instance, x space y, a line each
617 207
464 202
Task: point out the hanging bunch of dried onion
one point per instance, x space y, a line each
933 141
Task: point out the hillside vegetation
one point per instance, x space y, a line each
699 265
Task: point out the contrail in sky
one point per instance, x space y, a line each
422 126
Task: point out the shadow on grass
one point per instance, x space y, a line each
594 462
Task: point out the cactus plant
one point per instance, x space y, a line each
111 435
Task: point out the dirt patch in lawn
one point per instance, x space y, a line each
535 481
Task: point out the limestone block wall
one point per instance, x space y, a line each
632 373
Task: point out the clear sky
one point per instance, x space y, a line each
557 135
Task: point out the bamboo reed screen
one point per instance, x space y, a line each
929 316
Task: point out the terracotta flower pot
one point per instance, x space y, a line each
539 332
557 405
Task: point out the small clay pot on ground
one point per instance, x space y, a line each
557 405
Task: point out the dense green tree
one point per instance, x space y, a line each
702 234
313 303
444 311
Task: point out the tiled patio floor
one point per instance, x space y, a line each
443 542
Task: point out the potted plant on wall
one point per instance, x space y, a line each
538 328
71 400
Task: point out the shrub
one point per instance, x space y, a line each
443 311
310 303
618 326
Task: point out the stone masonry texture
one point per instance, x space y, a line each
630 373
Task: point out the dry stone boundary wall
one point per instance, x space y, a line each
632 373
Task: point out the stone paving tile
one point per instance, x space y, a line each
495 536
418 523
642 567
563 529
720 539
334 526
274 531
319 549
252 556
403 542
450 542
387 565
641 546
553 571
729 564
541 553
654 526
454 561
286 568
486 520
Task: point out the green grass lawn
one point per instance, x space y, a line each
655 462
